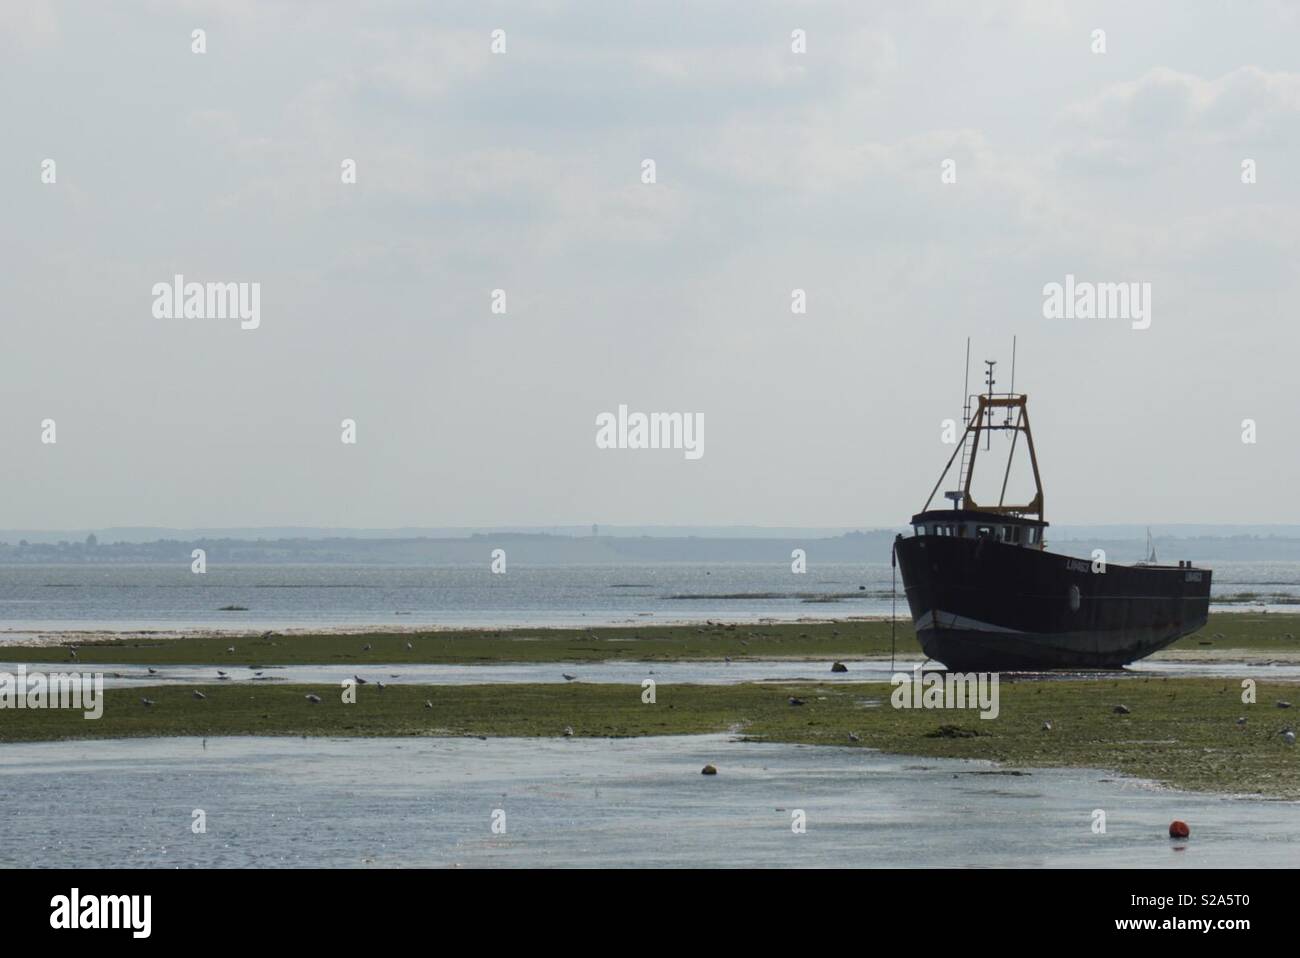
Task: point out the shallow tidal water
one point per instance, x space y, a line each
284 802
689 672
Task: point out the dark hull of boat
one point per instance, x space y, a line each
979 605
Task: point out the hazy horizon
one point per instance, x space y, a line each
522 170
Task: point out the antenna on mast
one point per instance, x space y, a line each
956 496
965 388
1013 377
990 382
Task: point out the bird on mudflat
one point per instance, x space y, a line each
153 671
379 686
199 695
219 672
146 702
367 647
568 677
313 699
409 646
359 680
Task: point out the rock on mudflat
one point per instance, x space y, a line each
1283 705
839 667
1121 710
708 770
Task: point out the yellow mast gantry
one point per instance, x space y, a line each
974 429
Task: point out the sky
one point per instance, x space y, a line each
523 171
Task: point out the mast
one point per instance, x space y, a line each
1016 422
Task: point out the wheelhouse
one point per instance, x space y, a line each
970 524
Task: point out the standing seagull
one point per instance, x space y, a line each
146 702
199 695
313 699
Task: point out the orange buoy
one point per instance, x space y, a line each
1179 829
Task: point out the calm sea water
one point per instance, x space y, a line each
137 597
375 803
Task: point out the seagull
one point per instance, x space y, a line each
267 635
1241 722
366 647
853 737
568 677
428 704
409 646
1047 726
568 731
147 702
313 699
199 695
153 671
231 649
73 653
359 680
379 686
795 701
221 673
1121 710
1289 737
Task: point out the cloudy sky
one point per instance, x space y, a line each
522 171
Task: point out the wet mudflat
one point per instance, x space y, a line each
290 802
687 672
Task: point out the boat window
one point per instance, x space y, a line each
920 530
1032 537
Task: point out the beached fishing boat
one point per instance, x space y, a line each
987 595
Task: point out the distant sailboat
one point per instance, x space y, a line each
1151 551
